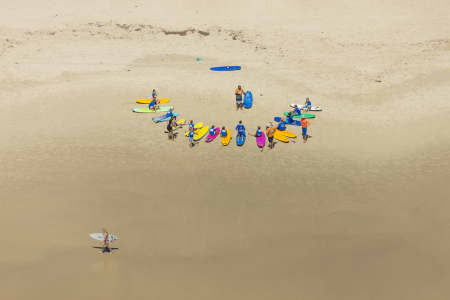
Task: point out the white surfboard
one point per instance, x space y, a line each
99 237
313 108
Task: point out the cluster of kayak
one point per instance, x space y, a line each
199 131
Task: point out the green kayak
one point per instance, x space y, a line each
147 110
306 116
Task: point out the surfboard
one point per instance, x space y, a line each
210 137
240 140
226 68
248 99
163 118
196 126
287 133
313 108
226 139
200 133
295 123
261 140
306 116
148 100
147 110
282 138
99 237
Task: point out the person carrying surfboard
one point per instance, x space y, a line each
240 128
270 132
239 92
105 242
305 123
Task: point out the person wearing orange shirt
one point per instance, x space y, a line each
239 92
270 132
305 124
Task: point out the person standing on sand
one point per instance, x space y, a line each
170 128
240 128
191 137
105 242
270 131
239 92
305 124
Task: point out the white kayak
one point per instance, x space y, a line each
313 108
100 237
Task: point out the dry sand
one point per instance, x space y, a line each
359 212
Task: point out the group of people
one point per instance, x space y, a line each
240 128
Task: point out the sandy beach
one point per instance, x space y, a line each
361 211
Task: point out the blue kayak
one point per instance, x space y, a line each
240 140
248 99
226 68
295 123
163 118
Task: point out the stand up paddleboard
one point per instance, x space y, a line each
163 118
313 108
261 140
200 133
306 116
240 140
248 99
148 100
226 139
100 237
210 137
226 68
147 110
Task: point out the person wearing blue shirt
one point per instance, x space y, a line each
240 128
289 118
154 104
281 126
170 113
308 104
258 132
212 130
191 125
223 132
297 110
191 138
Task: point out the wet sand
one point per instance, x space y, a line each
359 212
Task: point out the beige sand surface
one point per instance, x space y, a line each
359 212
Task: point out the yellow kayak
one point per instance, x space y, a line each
147 101
287 133
282 138
226 139
196 126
